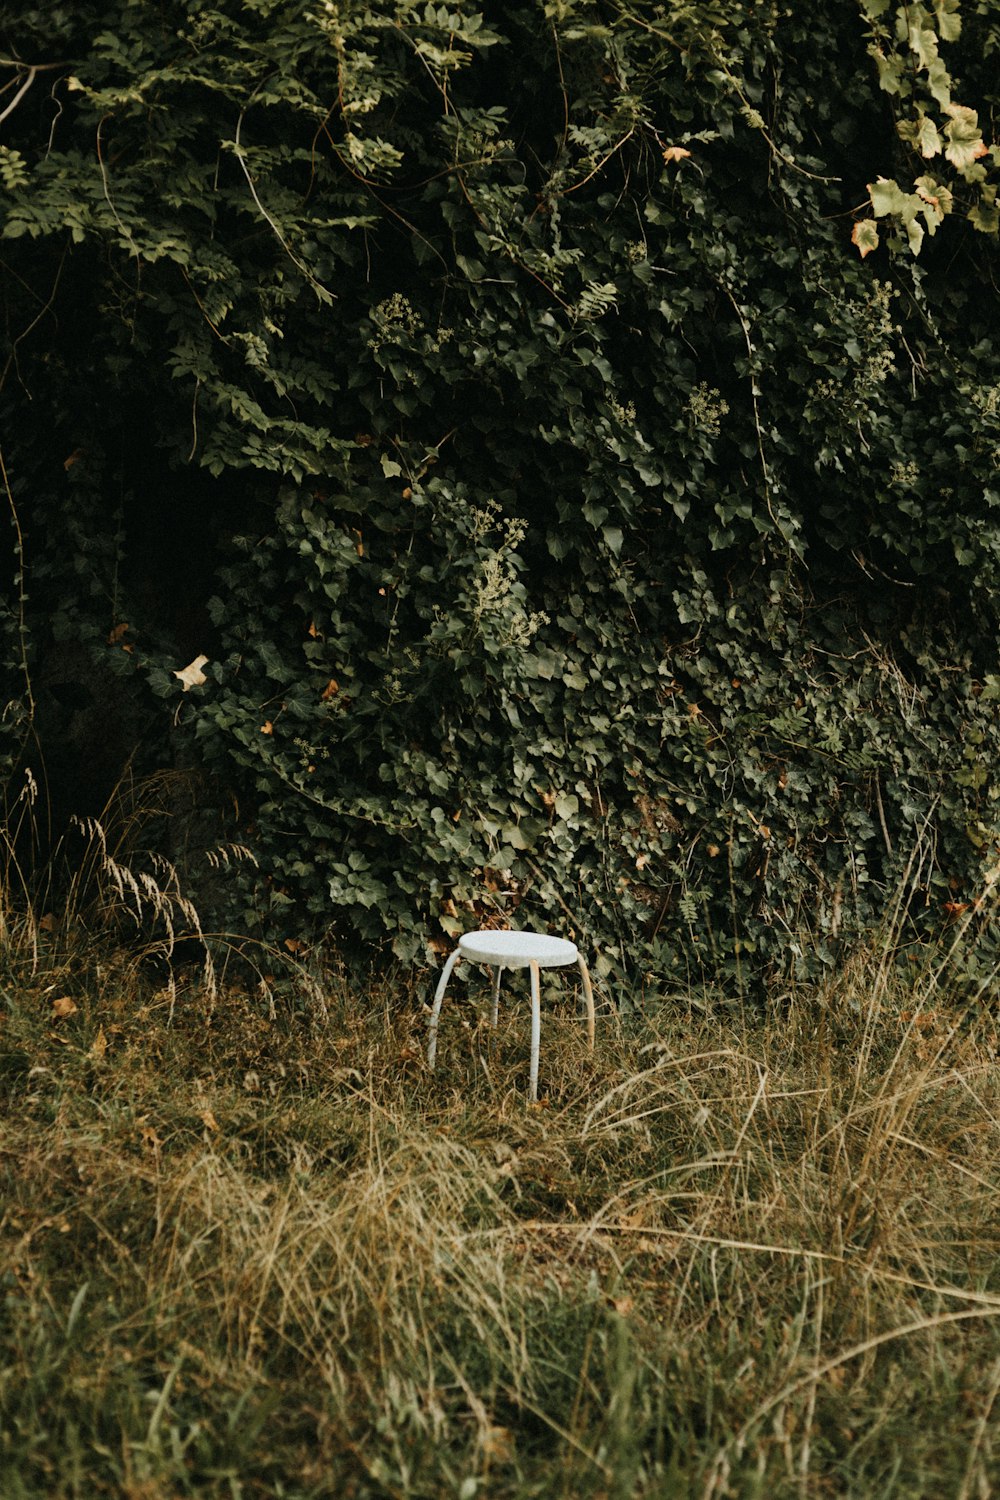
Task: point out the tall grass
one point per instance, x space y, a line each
250 1247
270 1255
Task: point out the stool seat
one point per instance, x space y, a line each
516 950
513 950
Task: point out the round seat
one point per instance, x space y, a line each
517 950
513 950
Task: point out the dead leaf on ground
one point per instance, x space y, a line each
64 1006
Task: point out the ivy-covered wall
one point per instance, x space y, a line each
569 431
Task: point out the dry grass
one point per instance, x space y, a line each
262 1255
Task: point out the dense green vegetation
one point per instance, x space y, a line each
572 523
499 462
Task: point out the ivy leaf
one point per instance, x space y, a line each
985 217
928 138
865 236
965 142
948 20
889 201
936 199
192 675
924 42
887 198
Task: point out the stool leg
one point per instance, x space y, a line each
432 1030
588 995
536 1027
495 1012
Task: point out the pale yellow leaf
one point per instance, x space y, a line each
192 675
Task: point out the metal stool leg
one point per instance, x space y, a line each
588 995
495 1012
432 1040
536 1028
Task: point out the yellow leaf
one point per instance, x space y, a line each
192 675
64 1006
330 691
675 153
267 728
99 1046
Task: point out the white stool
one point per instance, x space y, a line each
514 950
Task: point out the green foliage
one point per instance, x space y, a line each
576 529
906 50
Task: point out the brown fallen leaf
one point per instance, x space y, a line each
99 1046
64 1006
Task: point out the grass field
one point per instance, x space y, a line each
737 1253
